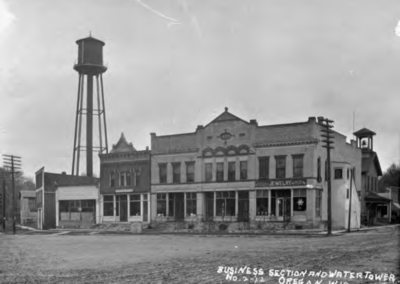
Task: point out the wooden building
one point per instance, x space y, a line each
48 205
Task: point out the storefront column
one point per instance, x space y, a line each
252 204
200 198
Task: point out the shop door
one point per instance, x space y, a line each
145 209
209 206
179 206
283 208
243 212
123 208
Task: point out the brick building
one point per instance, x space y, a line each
235 171
125 184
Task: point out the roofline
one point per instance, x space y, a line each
283 124
40 170
180 134
226 111
91 38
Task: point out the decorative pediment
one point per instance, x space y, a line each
226 116
122 146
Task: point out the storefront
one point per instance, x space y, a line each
125 207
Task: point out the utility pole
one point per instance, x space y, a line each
3 202
13 162
351 190
327 134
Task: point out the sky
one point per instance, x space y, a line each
176 64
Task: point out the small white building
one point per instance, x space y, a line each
77 206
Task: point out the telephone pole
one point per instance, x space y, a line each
328 141
14 164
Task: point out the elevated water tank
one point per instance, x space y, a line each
90 56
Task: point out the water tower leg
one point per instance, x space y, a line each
89 127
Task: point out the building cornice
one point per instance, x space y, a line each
175 151
285 143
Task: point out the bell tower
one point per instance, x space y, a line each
365 139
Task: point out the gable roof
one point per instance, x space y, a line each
226 116
122 146
367 162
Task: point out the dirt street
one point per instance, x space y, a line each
198 259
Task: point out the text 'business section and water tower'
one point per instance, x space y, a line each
230 170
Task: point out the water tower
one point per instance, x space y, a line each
89 66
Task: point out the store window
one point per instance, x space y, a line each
161 204
226 203
135 205
262 202
108 205
299 199
191 204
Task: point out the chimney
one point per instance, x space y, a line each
353 143
63 173
312 119
199 127
253 121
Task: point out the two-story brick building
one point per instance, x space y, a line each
125 184
232 170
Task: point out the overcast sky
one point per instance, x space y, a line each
175 64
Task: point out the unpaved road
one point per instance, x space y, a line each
193 259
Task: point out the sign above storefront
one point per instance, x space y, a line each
123 190
280 182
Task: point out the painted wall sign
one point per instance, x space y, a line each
123 190
280 182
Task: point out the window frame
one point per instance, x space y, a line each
190 175
176 172
225 197
280 168
336 170
105 212
161 198
135 202
208 172
243 170
191 203
220 173
231 171
263 161
296 168
162 173
262 195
